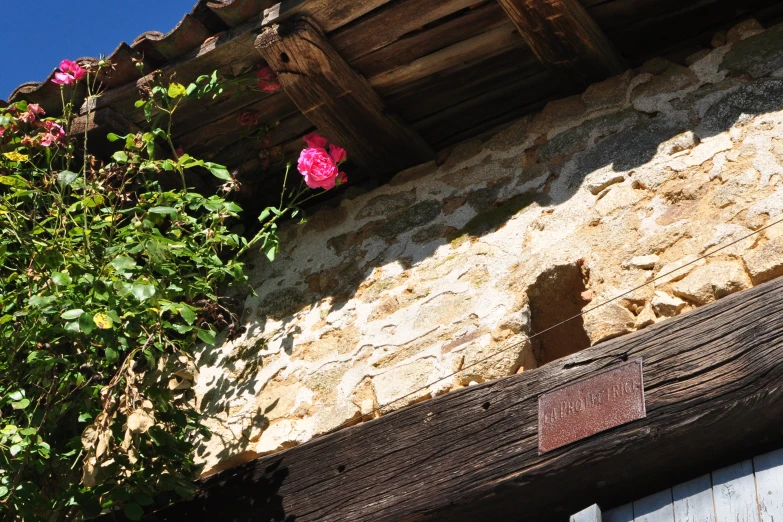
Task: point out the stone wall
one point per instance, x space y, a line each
373 301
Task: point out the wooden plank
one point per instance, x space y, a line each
390 23
734 491
769 485
714 387
337 100
654 508
619 514
566 39
693 501
420 43
591 514
327 14
480 47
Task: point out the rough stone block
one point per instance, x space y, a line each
642 262
713 281
608 322
758 55
666 305
766 261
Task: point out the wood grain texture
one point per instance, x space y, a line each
693 501
769 485
566 39
328 14
654 508
619 514
734 492
591 514
714 390
425 40
390 23
337 100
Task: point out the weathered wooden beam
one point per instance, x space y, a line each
714 391
566 39
99 123
337 100
328 14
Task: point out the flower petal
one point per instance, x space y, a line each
338 154
315 141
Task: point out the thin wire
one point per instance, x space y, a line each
528 338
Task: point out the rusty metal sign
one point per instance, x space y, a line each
590 405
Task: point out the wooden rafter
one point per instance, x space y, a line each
337 100
714 390
566 39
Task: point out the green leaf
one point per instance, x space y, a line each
120 157
20 405
113 137
61 279
15 449
18 395
142 499
93 201
39 301
271 252
219 171
208 336
84 417
112 355
86 323
13 181
28 431
264 215
140 103
177 90
70 315
133 511
142 292
103 321
3 491
163 210
122 263
66 177
188 314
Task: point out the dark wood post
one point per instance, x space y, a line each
566 39
337 100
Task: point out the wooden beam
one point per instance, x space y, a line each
328 14
566 39
714 389
337 100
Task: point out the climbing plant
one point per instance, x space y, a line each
109 278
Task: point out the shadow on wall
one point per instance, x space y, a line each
619 142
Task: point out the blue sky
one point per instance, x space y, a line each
36 36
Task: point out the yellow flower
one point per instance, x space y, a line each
16 157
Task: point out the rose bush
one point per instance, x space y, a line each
108 280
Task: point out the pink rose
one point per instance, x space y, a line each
248 119
54 133
315 141
318 168
179 152
33 110
267 79
338 154
70 73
